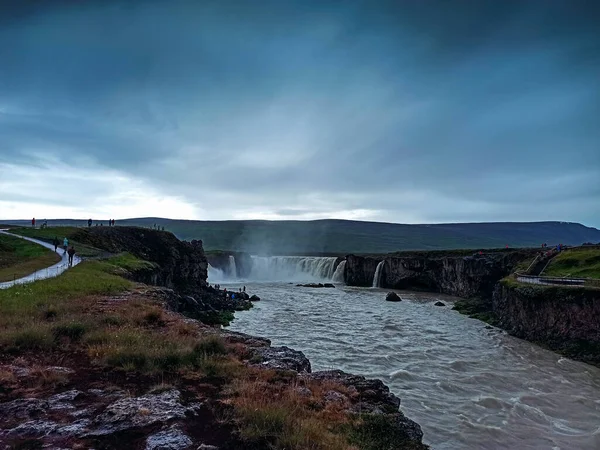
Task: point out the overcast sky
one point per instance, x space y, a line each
402 111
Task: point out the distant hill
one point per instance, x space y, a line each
347 236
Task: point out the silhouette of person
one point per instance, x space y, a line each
71 254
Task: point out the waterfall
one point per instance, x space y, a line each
338 275
215 274
232 272
292 268
377 277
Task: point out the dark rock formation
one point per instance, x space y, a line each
564 319
360 271
180 265
281 358
137 412
255 298
439 304
317 285
392 297
464 276
78 414
208 305
375 403
169 439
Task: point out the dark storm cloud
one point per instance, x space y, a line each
403 111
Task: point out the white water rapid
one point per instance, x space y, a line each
232 272
377 277
292 268
338 275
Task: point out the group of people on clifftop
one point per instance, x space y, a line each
111 223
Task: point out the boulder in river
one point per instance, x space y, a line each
439 304
316 285
392 297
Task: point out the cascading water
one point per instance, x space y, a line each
338 275
377 277
215 274
232 270
292 268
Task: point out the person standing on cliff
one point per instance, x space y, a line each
55 242
33 222
65 245
89 223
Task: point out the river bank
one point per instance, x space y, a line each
96 358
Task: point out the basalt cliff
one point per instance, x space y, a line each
564 319
466 276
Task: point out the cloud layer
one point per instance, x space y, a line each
400 111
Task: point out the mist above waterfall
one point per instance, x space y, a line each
292 268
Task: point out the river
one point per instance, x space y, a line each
468 385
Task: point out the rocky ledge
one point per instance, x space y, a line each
316 285
167 418
370 399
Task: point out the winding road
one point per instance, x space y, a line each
49 272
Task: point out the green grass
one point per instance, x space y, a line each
583 262
29 312
129 262
48 234
19 257
52 314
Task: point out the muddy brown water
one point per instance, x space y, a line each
468 386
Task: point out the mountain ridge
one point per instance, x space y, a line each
340 236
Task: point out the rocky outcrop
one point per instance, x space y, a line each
359 270
96 413
177 264
281 358
565 319
377 407
392 297
370 398
465 276
316 285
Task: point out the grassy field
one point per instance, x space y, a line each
582 262
19 257
48 235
